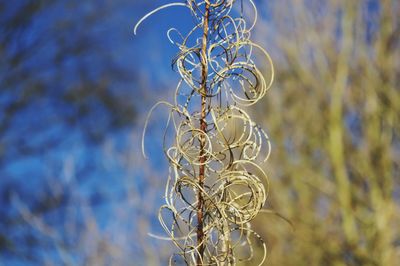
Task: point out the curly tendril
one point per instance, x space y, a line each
215 187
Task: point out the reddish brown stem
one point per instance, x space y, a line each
203 128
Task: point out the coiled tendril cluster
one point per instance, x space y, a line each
215 186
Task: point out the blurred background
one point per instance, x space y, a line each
76 85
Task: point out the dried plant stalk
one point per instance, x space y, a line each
215 186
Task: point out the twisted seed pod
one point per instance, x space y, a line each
211 215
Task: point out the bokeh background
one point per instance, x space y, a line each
76 85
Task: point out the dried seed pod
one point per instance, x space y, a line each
215 186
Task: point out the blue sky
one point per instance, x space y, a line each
32 169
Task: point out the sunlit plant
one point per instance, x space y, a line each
215 186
